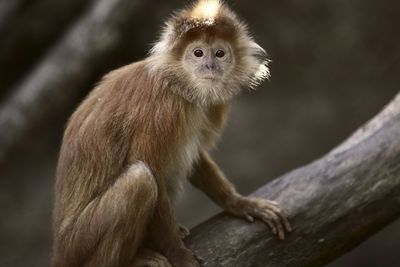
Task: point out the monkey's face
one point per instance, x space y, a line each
208 63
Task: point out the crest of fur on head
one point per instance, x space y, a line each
209 19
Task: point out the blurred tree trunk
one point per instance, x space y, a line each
88 48
28 29
334 203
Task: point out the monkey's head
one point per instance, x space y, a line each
209 51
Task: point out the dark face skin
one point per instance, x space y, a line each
208 61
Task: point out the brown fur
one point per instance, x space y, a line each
124 152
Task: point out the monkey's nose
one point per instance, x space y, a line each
211 66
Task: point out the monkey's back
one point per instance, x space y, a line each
125 118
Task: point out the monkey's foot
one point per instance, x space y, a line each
266 210
150 258
183 257
184 232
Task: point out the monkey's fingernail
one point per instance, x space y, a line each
274 231
250 218
281 236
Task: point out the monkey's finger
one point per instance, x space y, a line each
273 203
285 221
267 218
277 222
271 225
282 215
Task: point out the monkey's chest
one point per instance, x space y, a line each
200 135
182 165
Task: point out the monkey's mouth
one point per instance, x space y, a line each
208 77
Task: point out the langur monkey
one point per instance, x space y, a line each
141 132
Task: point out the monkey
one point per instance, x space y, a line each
145 129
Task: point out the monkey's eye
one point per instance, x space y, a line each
220 53
198 53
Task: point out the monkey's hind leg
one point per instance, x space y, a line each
112 227
150 258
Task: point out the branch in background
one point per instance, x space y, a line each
88 47
335 203
28 29
8 10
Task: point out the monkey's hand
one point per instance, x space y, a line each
266 210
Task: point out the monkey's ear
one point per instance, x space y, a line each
259 53
258 64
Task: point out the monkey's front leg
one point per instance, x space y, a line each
208 177
166 235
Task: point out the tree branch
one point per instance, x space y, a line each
335 203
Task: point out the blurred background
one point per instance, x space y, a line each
335 64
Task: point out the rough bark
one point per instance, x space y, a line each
335 203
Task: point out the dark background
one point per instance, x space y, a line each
334 65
